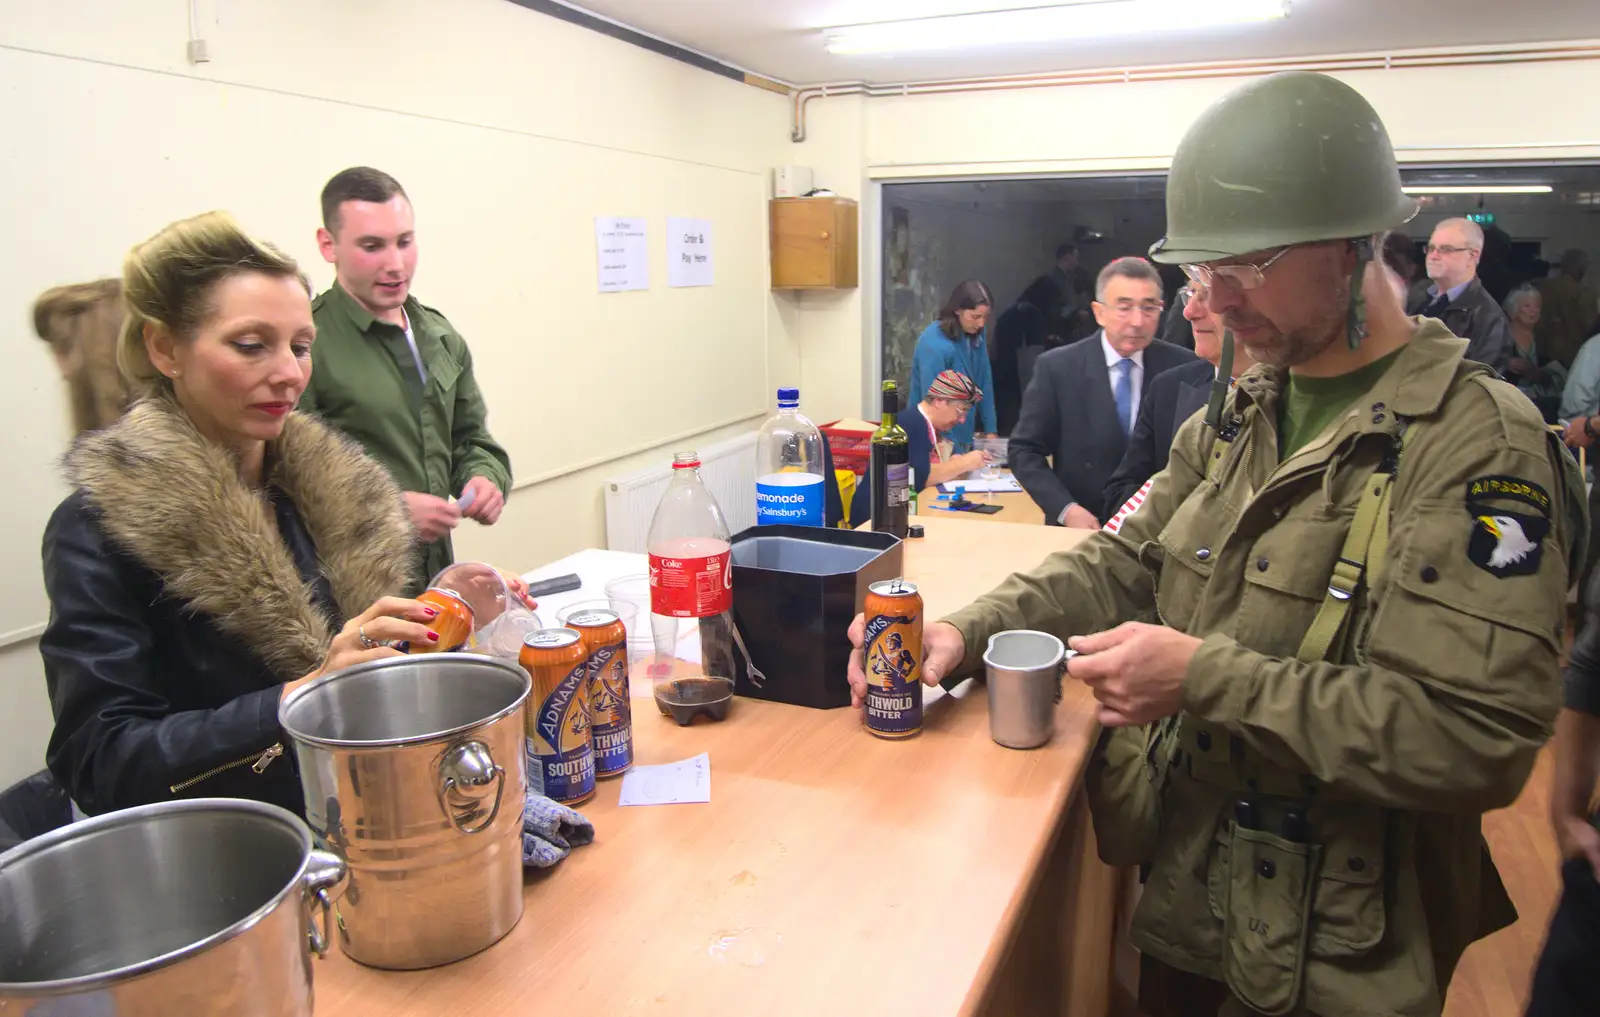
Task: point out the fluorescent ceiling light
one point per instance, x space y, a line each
1480 189
1082 20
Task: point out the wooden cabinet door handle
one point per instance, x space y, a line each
824 234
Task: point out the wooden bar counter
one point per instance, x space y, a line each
831 873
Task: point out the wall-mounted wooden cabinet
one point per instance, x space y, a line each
814 244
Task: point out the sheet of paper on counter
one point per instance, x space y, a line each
680 783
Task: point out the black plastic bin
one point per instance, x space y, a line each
795 591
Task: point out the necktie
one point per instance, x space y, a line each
1124 395
1437 306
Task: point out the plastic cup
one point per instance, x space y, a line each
630 596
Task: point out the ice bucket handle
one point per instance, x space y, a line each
465 774
324 882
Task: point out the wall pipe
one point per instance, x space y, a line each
800 98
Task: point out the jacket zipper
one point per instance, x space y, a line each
258 762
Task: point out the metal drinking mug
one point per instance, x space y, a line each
1024 679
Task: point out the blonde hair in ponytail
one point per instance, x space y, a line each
167 281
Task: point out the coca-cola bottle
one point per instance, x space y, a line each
691 579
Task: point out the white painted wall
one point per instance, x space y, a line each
511 130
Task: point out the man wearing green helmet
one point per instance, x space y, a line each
1359 562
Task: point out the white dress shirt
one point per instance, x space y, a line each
1135 379
1135 376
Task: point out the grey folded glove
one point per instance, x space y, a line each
550 831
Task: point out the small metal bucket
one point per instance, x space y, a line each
414 772
1024 678
206 905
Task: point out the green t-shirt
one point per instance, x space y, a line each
1311 404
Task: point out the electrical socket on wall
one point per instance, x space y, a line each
199 52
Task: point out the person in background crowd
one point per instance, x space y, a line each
1084 398
1400 254
956 342
1066 307
1175 395
81 323
1579 416
1570 307
1458 299
394 374
946 403
1535 375
1020 327
1566 981
218 549
1360 573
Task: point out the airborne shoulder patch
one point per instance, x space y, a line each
1506 541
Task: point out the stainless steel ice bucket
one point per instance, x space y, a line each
205 905
414 773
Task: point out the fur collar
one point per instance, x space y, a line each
174 501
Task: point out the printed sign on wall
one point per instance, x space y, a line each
688 252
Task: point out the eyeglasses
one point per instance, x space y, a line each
1447 249
1125 308
1246 276
1193 291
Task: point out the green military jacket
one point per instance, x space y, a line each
1312 829
433 437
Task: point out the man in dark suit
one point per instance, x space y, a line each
1083 400
1174 397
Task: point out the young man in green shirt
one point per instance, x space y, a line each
394 374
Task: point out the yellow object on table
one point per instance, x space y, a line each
847 492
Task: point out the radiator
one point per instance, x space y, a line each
728 469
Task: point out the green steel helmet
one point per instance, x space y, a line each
1292 158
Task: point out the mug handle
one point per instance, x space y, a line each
324 882
464 772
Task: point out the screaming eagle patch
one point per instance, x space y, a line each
1505 542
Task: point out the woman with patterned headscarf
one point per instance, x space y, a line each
945 406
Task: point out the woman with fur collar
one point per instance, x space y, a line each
219 549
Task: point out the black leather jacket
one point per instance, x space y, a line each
148 694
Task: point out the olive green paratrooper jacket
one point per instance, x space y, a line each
1312 827
432 436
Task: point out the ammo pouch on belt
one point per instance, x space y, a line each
1292 876
1270 883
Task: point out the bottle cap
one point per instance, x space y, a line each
914 532
788 395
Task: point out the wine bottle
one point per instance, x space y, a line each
891 467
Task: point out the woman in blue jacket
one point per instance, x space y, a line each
956 342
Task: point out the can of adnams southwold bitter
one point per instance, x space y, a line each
893 644
611 713
560 748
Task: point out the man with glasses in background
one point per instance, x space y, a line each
1327 640
1083 400
1458 299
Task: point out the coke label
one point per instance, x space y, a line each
691 587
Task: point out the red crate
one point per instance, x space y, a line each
852 449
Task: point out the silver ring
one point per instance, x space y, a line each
367 642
